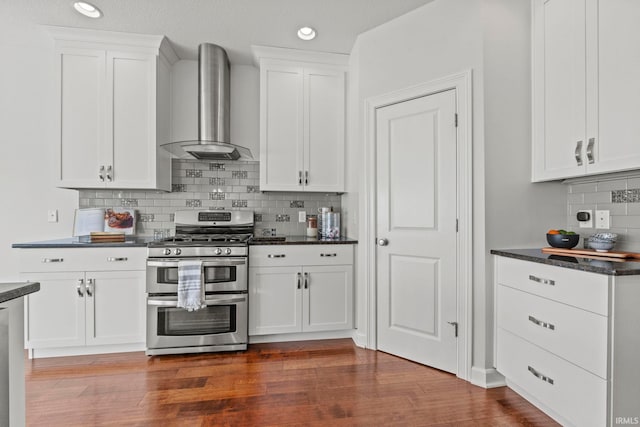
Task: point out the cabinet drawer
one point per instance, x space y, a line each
575 394
82 259
576 335
286 255
580 289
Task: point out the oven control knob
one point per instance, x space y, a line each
218 251
227 251
178 251
167 251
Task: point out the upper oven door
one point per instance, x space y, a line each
218 275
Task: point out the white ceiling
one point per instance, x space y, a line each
232 24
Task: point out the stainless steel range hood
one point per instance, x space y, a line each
214 77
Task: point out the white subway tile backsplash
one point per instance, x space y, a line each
237 182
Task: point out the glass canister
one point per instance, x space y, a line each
312 226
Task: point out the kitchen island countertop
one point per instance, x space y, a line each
10 291
600 266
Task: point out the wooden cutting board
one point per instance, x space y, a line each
591 253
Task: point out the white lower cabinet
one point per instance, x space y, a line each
82 312
565 340
305 297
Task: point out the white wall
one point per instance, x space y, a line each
440 39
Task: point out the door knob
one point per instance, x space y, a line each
383 242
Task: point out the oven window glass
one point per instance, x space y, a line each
218 274
212 320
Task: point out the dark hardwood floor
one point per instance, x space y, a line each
311 383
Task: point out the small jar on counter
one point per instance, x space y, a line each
312 226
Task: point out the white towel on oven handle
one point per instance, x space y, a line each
191 293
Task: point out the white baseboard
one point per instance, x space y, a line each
303 336
85 350
487 378
360 339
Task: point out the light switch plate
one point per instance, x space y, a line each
603 220
302 216
52 215
589 223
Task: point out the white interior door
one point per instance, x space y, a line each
416 220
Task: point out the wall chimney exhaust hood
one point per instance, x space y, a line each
214 76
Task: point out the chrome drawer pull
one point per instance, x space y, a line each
540 376
299 276
79 288
543 281
328 255
116 259
307 280
541 323
276 256
590 158
52 259
578 153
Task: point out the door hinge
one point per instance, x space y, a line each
455 328
456 119
457 225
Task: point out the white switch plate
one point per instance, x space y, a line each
602 220
52 215
302 216
586 224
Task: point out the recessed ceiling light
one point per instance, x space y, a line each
87 9
306 33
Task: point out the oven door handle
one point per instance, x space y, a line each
215 301
217 263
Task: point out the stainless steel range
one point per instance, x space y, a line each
218 239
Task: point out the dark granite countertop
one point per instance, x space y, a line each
301 240
77 242
600 266
9 291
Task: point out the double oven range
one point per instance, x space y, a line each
220 240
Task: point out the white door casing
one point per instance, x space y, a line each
416 186
368 332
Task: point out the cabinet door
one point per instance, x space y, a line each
116 307
55 315
80 76
328 298
130 131
324 129
559 91
281 127
275 305
613 61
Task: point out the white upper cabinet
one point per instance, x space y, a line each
113 95
302 120
585 87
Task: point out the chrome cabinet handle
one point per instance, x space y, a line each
299 177
306 177
590 145
52 259
307 280
540 376
328 255
542 324
79 287
383 242
578 153
541 280
89 287
276 256
299 275
101 173
117 259
110 173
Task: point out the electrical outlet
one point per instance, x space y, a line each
603 220
302 216
587 223
52 215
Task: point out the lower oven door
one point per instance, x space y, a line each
223 323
